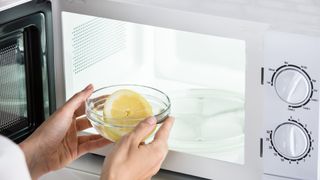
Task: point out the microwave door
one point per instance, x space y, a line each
209 66
23 101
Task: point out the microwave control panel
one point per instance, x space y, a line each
291 105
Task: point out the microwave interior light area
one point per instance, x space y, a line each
204 76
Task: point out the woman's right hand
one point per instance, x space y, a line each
134 160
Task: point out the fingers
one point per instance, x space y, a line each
92 145
98 101
82 124
78 99
81 110
164 130
142 130
84 139
159 143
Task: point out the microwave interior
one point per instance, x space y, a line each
203 75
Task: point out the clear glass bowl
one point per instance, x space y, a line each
110 129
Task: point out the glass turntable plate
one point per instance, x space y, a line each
209 123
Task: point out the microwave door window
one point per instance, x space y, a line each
13 100
203 75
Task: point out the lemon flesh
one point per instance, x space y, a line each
123 110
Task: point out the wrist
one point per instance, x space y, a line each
26 149
29 149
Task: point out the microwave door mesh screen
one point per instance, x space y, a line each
13 107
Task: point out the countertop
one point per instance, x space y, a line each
88 167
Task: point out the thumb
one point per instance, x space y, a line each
143 129
58 124
77 100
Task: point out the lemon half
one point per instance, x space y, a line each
122 109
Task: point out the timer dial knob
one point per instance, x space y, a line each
291 141
293 85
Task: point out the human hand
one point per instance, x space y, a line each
56 143
134 160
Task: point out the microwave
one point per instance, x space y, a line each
242 77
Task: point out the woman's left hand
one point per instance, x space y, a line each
56 143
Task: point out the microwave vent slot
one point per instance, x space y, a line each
95 41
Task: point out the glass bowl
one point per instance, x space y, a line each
110 129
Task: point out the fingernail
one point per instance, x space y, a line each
90 86
151 120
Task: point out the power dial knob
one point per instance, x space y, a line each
292 85
291 141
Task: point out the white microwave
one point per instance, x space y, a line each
242 77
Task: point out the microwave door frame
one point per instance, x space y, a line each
251 32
